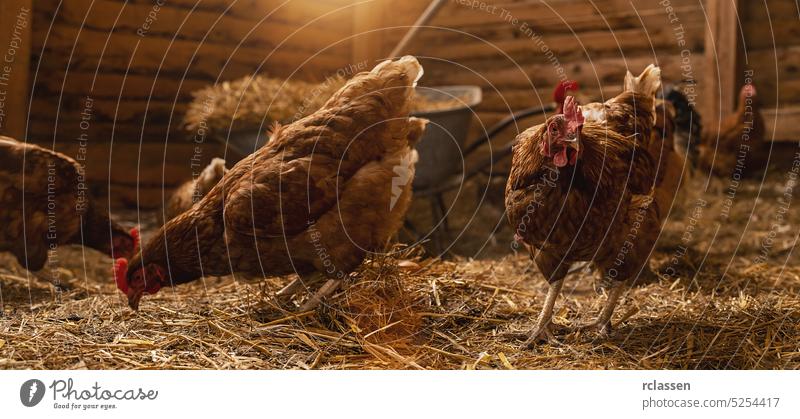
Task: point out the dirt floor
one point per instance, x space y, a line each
727 297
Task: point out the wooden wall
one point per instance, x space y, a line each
16 18
504 46
111 70
771 50
518 50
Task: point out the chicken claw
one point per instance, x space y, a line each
543 333
325 291
603 322
284 296
544 323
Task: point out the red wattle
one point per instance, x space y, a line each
560 158
120 270
136 239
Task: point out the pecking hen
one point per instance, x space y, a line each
44 204
321 194
192 191
734 148
585 186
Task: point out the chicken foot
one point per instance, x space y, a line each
544 323
603 322
302 282
325 291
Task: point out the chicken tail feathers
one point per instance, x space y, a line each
416 129
646 83
407 64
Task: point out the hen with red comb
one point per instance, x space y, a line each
737 143
583 189
321 194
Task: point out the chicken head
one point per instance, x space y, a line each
143 280
562 135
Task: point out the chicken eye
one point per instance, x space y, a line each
553 130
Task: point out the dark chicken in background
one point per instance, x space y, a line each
585 186
321 194
737 143
688 124
43 205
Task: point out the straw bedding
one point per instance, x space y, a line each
716 305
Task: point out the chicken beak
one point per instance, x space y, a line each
571 140
134 296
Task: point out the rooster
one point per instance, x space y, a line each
584 187
192 191
44 204
321 194
738 145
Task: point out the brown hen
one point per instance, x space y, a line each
321 194
44 203
588 189
734 148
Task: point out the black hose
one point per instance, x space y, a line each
504 123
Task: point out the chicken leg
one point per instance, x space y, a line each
300 283
603 322
325 291
545 321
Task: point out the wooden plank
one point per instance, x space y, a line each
532 12
109 85
542 76
45 129
782 123
772 10
771 34
722 60
590 43
178 56
338 14
646 21
201 25
73 109
15 51
368 33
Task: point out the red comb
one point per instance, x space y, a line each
136 238
120 270
572 113
560 91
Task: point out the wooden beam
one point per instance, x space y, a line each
15 54
368 33
781 124
722 73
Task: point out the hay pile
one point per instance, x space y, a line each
253 102
713 307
